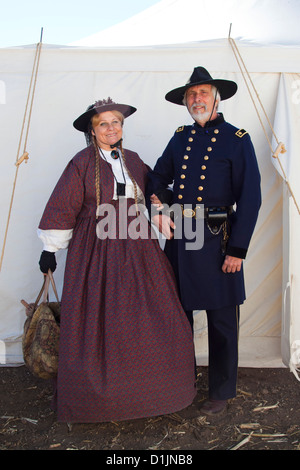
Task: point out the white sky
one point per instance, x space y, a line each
63 21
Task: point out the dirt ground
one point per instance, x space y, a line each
265 415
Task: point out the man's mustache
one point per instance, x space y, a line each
202 105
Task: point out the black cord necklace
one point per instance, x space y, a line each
120 186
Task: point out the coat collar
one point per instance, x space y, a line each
215 122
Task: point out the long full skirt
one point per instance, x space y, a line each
126 347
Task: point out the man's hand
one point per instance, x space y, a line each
231 264
165 225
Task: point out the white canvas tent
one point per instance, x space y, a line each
181 21
70 78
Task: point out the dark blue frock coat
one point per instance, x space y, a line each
214 166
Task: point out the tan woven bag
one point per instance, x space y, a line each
40 341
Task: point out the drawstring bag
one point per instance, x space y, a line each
40 341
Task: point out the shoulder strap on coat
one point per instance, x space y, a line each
241 132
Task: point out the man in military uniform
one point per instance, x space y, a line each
211 165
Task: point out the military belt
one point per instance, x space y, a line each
216 220
217 213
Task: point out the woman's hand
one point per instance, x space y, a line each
163 222
156 202
47 261
165 225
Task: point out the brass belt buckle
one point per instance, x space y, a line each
188 213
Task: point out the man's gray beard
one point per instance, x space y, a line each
201 118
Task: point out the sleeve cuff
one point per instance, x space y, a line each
236 252
54 240
165 196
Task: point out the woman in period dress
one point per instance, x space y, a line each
126 348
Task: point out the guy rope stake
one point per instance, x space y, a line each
24 156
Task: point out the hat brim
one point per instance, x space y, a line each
82 122
226 88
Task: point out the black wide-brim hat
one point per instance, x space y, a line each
200 76
82 122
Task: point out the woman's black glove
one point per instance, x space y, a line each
47 261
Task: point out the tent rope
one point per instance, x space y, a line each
24 156
280 146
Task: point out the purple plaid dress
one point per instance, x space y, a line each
126 348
